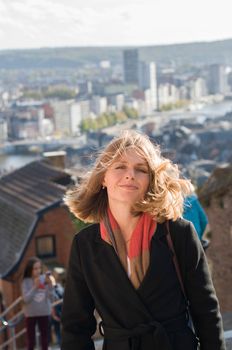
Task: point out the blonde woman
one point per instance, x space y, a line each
122 264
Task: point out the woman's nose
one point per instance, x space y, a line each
130 174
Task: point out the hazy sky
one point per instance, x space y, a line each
50 23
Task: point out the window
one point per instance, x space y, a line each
45 246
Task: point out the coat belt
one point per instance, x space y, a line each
157 329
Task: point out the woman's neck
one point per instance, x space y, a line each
125 219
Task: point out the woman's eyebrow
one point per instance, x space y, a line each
137 164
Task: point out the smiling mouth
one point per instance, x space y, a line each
129 187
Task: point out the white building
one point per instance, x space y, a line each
75 118
197 89
47 127
168 93
148 81
118 101
98 105
68 116
132 103
3 130
62 116
85 108
148 102
105 64
183 92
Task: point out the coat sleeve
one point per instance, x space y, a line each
78 321
203 220
201 294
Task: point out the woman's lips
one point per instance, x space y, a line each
129 187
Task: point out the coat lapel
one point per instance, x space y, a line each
160 232
110 268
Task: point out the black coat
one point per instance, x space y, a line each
145 318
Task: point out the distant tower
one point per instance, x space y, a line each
130 63
148 80
217 79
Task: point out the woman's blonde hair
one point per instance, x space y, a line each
164 199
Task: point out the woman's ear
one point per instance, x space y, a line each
103 182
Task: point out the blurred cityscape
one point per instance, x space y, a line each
184 106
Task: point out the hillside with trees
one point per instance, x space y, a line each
73 57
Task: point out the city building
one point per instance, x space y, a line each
62 116
197 89
75 118
26 122
130 64
3 130
117 100
147 79
217 80
68 116
167 94
98 104
85 88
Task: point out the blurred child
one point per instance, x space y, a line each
37 293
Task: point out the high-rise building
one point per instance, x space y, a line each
130 64
217 79
148 81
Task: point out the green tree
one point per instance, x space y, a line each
35 95
121 117
111 118
102 121
61 93
85 124
130 112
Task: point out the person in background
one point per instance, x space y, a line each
56 309
122 264
194 212
37 293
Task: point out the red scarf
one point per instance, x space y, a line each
136 260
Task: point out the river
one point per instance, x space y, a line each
216 109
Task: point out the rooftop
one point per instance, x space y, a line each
25 194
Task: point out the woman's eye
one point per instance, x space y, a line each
145 171
120 167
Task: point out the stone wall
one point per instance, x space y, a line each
219 253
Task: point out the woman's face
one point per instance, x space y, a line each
127 179
36 271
